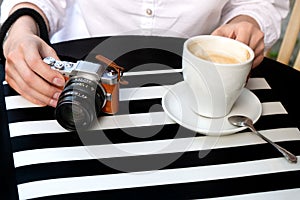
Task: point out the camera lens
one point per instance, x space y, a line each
80 103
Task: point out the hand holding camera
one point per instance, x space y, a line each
91 88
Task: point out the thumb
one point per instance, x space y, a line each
47 51
52 76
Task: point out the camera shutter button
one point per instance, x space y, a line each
49 61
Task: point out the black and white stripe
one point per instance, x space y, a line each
53 163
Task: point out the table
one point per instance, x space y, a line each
140 153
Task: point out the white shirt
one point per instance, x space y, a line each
74 19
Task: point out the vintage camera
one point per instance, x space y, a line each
91 89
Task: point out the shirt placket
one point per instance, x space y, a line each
147 20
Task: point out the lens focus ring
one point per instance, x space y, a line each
80 103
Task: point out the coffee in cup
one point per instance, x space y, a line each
219 58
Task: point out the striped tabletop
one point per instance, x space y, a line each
140 153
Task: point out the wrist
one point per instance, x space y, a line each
23 21
31 6
25 24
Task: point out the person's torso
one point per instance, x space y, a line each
143 17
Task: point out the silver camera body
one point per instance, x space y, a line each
90 70
91 88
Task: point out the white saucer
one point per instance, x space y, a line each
176 103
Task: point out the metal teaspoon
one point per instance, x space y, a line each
243 121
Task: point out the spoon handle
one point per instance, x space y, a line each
288 155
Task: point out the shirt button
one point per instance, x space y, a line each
149 11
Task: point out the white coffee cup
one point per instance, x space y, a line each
216 69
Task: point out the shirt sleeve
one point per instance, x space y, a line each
268 13
53 9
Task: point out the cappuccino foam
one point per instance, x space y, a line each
219 58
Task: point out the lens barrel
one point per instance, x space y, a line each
80 103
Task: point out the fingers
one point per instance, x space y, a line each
28 93
247 33
32 86
41 69
254 38
31 77
225 31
